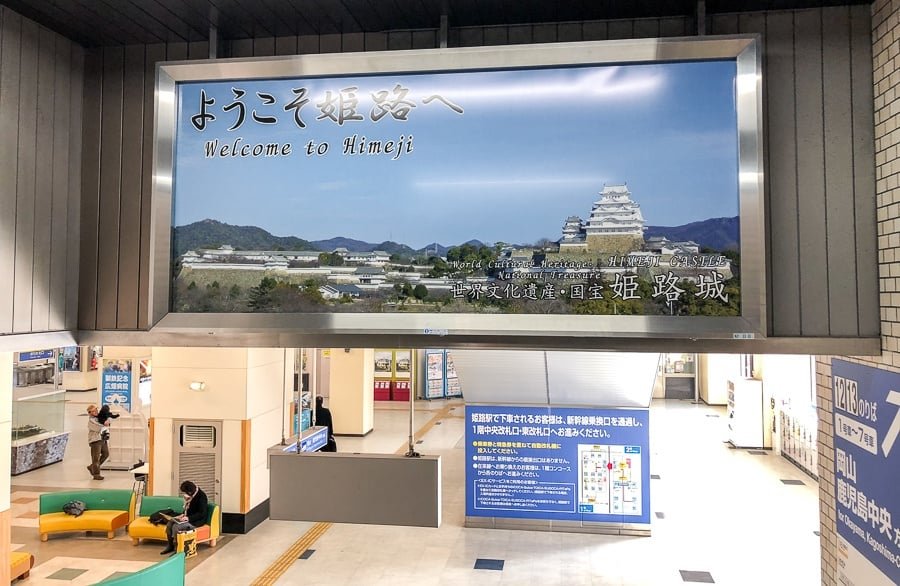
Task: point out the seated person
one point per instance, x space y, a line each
195 514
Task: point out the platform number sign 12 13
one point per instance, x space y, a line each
847 395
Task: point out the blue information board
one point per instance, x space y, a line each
867 473
559 464
315 440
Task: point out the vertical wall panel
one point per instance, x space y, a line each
474 36
570 32
63 163
621 29
264 47
782 174
130 192
427 39
546 33
309 44
110 188
90 189
356 42
241 48
722 24
154 53
673 27
73 252
376 42
864 169
646 28
43 185
332 43
810 175
286 45
397 41
25 177
595 31
495 35
176 51
520 35
839 210
198 50
10 48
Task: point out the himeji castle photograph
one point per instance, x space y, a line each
557 190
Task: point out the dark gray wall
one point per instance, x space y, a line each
355 488
819 155
40 168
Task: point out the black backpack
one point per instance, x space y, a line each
75 508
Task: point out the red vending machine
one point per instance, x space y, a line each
401 390
382 390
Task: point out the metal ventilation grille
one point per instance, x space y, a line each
199 469
198 436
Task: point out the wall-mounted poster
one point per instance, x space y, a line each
384 364
402 364
307 193
434 374
453 388
71 359
116 383
95 354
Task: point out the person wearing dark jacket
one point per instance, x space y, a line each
196 513
323 419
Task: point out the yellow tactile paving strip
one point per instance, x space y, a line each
281 565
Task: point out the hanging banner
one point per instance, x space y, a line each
559 464
116 383
867 473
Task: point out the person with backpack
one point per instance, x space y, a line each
196 513
96 441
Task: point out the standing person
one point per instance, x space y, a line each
196 513
323 419
98 444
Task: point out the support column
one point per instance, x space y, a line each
350 396
244 389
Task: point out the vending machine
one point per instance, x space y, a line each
746 413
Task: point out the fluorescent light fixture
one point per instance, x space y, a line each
198 385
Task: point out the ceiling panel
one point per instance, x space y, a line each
117 22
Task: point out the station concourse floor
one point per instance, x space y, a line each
718 514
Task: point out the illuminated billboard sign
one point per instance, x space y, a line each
432 196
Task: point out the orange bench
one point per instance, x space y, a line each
20 564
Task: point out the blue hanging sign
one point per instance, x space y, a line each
35 355
116 383
867 473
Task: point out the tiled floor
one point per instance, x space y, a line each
720 514
727 517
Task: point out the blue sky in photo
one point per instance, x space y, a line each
531 148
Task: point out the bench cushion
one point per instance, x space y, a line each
20 562
89 521
142 528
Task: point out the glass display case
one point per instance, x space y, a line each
38 435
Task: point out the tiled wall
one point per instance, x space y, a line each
886 57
